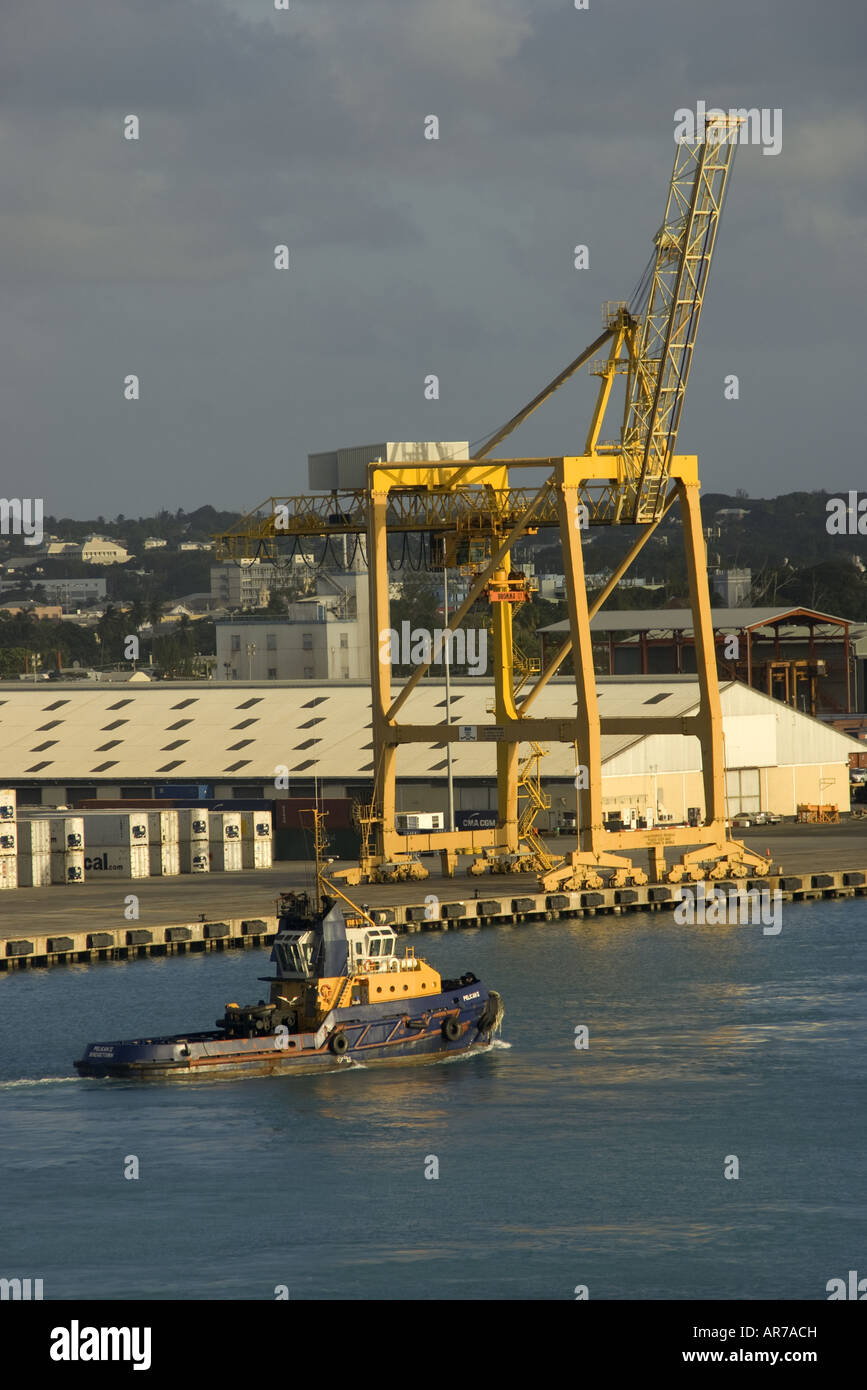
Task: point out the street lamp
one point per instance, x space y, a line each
251 652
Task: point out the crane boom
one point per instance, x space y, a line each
658 375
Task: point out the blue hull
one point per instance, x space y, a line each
425 1029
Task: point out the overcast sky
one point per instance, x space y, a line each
407 256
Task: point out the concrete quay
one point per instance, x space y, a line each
57 925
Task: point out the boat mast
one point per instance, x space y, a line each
320 845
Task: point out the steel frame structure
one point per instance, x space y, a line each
633 482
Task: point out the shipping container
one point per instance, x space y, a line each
418 822
185 791
8 871
34 837
256 825
163 827
193 825
257 854
8 801
34 869
194 856
475 820
165 859
117 861
68 866
226 856
66 833
225 826
108 828
293 812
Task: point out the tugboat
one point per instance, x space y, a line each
340 994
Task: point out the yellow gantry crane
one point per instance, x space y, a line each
633 481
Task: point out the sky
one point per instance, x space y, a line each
407 256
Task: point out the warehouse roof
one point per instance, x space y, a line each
184 731
681 620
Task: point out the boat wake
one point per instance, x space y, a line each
36 1081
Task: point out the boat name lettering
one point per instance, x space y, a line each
474 995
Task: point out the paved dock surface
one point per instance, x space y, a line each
216 897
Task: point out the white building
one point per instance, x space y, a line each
322 638
245 585
155 543
250 583
732 586
68 592
101 550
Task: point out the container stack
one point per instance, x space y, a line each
66 837
225 841
116 845
34 853
193 837
257 840
163 846
8 839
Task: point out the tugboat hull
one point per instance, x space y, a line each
435 1027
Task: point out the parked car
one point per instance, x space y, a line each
747 818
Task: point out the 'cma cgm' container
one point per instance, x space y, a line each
117 861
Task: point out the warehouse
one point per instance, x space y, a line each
62 744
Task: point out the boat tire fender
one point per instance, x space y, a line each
451 1029
339 1043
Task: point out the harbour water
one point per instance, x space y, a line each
558 1166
